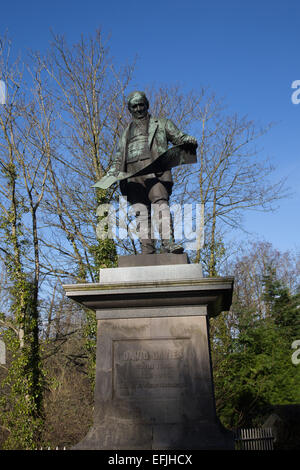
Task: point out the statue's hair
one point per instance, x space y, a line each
138 93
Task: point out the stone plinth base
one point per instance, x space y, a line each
156 259
154 387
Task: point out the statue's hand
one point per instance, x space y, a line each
112 171
190 140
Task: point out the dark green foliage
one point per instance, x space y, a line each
252 356
22 388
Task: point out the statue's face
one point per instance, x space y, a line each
138 108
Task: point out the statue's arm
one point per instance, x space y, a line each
177 137
116 163
113 174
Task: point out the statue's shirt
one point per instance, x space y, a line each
138 147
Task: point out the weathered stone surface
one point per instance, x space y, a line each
147 274
155 259
154 387
164 295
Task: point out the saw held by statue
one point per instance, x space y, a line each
181 154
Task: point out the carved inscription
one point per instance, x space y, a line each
152 368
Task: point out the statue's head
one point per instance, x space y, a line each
138 104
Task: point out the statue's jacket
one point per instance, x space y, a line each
158 158
161 131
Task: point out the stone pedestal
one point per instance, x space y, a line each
154 386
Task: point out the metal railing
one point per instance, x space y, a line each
51 448
254 439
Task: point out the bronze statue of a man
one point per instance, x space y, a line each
144 140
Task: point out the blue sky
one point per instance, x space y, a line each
245 51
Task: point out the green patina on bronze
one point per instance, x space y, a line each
143 161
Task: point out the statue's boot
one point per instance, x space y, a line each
144 215
147 246
169 246
163 220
